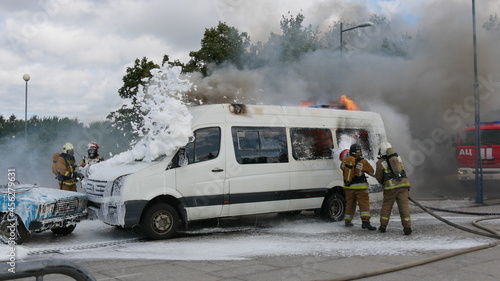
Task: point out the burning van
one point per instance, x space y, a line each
243 160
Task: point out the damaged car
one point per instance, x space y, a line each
26 209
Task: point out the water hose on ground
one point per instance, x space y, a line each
462 212
491 234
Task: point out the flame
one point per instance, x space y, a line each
348 103
306 103
344 103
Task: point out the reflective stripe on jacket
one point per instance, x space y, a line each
363 185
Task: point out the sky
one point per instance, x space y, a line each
77 52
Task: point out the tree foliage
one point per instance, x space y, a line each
296 39
220 44
493 23
31 157
50 133
130 116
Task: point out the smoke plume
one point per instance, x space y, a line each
424 99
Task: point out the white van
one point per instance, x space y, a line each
244 160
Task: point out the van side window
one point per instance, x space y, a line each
311 143
206 145
256 145
356 135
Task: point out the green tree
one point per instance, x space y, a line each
294 41
297 39
130 117
221 44
385 41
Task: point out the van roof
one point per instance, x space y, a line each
274 115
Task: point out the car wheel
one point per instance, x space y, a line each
160 221
63 230
6 234
334 207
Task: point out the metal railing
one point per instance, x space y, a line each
40 268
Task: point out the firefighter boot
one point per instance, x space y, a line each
381 228
407 231
348 224
367 225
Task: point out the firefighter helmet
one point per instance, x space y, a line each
355 149
92 145
343 154
67 147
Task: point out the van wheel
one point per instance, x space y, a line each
63 230
334 207
160 221
6 230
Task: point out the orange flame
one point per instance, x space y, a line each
306 103
348 103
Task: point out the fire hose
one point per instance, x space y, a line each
491 234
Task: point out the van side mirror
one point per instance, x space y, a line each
183 157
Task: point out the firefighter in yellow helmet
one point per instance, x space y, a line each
66 174
354 168
390 172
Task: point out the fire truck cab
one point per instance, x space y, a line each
490 151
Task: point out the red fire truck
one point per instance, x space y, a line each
490 151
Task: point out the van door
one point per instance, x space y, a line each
258 172
312 169
201 181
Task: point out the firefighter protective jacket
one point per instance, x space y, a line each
66 169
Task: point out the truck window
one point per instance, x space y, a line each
206 145
357 135
488 137
311 143
257 145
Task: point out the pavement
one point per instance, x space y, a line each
465 264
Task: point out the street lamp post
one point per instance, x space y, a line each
478 162
26 78
364 24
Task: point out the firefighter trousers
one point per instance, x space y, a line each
401 197
360 196
63 186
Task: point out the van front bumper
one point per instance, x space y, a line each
124 214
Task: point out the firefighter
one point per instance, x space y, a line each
92 155
66 174
396 187
55 156
354 168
